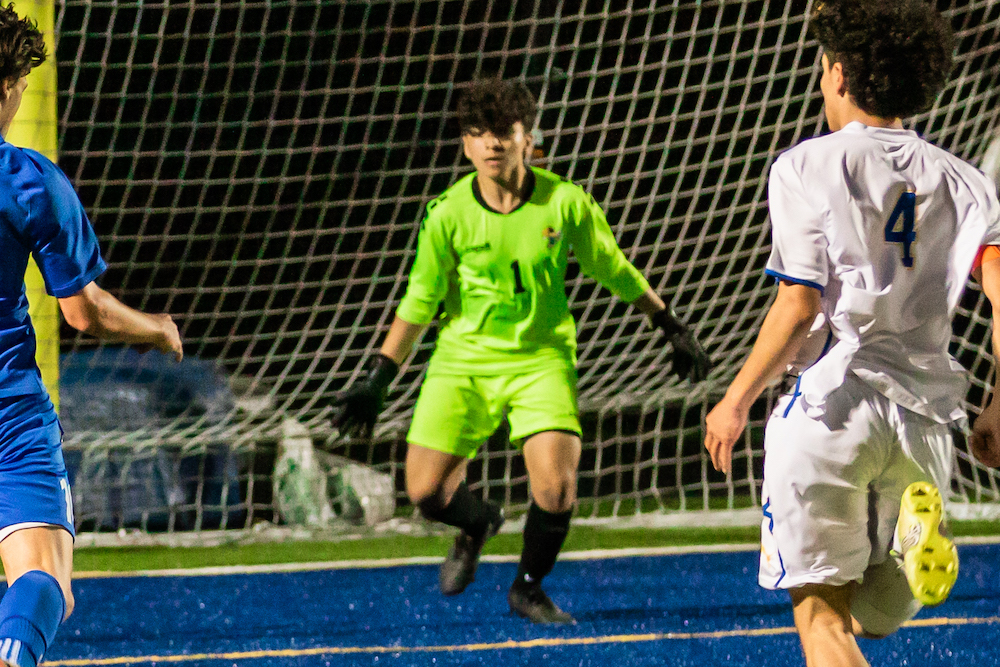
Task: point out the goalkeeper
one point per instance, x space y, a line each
494 248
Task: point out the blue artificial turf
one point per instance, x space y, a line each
621 605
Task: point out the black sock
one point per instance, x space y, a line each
466 511
544 534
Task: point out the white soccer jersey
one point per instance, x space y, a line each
887 227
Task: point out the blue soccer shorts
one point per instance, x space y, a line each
34 487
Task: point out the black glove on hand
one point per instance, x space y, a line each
690 359
356 409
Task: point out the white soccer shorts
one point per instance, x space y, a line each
832 485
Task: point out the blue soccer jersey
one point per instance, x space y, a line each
40 215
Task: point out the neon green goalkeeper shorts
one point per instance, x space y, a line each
455 414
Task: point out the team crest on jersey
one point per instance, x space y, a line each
552 236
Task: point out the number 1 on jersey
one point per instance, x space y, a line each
905 207
518 285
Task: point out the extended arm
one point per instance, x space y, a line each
95 312
600 257
985 438
357 408
785 328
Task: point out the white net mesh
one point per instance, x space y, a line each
259 169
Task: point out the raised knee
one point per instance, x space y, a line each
883 602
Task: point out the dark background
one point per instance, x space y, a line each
259 170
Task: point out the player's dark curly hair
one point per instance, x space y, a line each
494 105
21 44
896 54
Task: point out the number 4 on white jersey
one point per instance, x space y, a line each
905 209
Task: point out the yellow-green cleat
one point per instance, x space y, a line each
929 559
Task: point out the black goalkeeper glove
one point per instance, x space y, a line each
690 359
356 409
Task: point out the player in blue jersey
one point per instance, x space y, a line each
41 216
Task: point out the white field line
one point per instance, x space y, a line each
593 554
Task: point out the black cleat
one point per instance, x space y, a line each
532 603
459 569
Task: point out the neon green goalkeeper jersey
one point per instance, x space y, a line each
502 276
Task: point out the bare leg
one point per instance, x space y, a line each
38 563
823 619
432 476
552 459
45 548
435 483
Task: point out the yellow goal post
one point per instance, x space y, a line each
35 126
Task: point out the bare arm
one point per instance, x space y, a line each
785 328
988 276
649 303
985 438
400 340
95 312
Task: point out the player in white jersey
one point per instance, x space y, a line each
874 234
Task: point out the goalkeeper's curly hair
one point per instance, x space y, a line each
21 44
495 104
896 54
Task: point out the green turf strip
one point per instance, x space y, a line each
581 538
398 546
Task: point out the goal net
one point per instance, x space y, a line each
260 169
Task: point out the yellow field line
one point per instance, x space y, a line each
496 646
